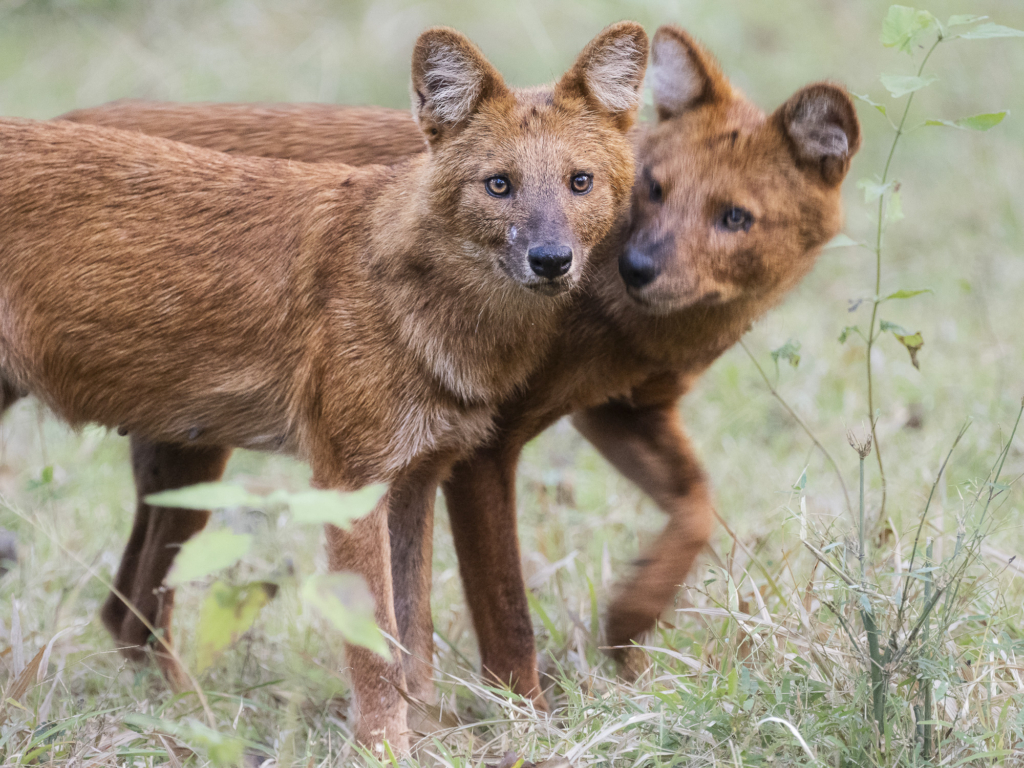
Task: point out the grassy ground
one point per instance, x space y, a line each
718 673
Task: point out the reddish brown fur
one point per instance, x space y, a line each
368 320
625 360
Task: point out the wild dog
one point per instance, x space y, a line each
367 320
728 213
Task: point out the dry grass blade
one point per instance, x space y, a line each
21 683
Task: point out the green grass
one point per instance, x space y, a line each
717 674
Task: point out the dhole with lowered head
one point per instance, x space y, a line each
366 319
728 213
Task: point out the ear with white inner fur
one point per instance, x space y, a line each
683 75
450 78
609 72
821 124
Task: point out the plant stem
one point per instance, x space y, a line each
877 687
803 426
872 335
862 553
926 682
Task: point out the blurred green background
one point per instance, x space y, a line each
963 238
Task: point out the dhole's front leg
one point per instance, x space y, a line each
156 535
481 500
379 710
648 446
411 527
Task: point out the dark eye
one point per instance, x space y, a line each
582 183
655 192
498 186
737 220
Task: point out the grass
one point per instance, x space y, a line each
763 663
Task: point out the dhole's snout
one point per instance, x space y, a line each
637 268
550 261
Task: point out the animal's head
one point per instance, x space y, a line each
526 182
730 203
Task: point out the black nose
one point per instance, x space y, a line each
550 261
637 268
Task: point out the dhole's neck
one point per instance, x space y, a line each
689 339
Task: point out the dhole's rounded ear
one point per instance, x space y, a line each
821 124
683 74
609 72
450 78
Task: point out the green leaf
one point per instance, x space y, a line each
987 31
962 19
901 85
845 333
227 614
222 750
866 100
205 496
885 325
840 241
901 294
873 190
973 123
790 351
340 509
207 552
902 26
345 601
912 341
894 208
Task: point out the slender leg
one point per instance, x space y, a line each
648 446
156 535
380 712
8 394
481 504
411 528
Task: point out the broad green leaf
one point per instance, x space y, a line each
903 25
333 507
221 749
901 85
873 190
345 601
965 18
227 614
902 294
885 325
207 552
986 31
790 351
973 123
205 496
866 100
840 241
894 208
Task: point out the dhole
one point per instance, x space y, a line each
729 211
368 320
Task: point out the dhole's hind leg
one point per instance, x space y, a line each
156 534
648 446
482 506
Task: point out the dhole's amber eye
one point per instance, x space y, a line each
582 183
498 186
656 193
737 220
